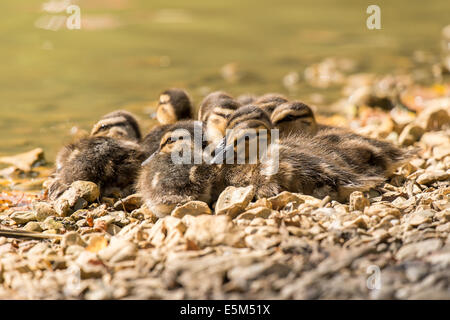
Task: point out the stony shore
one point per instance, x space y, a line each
391 243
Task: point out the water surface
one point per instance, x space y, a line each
127 51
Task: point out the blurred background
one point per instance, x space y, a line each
54 80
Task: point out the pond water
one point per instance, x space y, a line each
127 51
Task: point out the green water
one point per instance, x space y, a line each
53 80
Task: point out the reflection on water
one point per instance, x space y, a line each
127 51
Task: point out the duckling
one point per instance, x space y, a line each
174 105
296 163
291 117
270 101
110 157
118 124
214 111
363 154
176 173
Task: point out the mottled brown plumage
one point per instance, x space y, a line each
110 157
174 105
305 164
214 112
118 124
294 117
268 102
165 181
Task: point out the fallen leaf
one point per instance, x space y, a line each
96 244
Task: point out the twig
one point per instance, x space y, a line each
11 233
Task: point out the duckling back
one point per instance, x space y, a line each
363 154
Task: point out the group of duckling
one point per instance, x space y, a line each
307 157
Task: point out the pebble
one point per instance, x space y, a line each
22 217
281 200
418 218
118 250
433 176
32 226
194 208
130 203
206 230
418 249
26 160
78 196
232 201
72 239
259 212
358 201
43 210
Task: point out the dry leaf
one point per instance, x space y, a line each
96 244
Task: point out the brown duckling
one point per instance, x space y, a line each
176 173
174 105
110 157
268 102
292 117
365 155
297 163
214 111
118 124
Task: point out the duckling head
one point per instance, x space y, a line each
174 104
119 124
165 181
248 134
209 101
292 117
214 112
270 101
271 97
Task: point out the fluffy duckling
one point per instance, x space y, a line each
110 157
176 172
118 124
214 111
297 163
362 154
174 105
270 101
292 117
